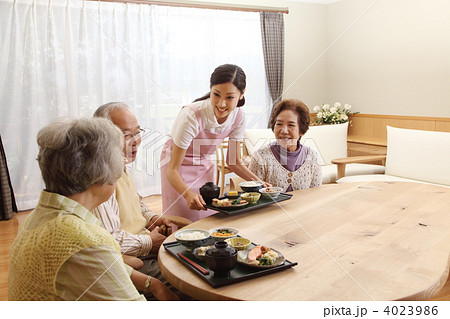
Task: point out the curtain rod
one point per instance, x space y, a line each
204 5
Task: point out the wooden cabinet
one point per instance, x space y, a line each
367 134
359 146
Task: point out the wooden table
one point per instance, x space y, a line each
355 241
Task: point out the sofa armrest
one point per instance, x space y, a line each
341 162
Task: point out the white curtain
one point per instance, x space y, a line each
67 57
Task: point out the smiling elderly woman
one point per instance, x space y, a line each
61 252
286 163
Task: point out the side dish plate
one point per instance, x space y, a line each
242 259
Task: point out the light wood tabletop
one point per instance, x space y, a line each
353 241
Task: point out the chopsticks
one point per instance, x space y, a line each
194 264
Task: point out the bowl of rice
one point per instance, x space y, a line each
251 186
191 238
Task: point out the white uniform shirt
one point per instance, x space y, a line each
186 128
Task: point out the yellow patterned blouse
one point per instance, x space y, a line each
62 253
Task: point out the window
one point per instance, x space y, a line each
68 58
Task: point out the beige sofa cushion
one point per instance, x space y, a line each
380 178
413 156
419 155
254 139
329 172
330 141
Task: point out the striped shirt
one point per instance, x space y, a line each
130 244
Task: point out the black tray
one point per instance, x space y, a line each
263 201
238 274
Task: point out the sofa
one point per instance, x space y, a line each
330 141
412 156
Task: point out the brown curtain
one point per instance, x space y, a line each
272 31
7 200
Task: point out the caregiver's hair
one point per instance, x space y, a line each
227 73
297 107
105 109
75 154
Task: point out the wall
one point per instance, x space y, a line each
305 74
394 60
305 40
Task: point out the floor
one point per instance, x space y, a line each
9 228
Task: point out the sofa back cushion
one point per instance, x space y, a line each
417 154
256 138
330 141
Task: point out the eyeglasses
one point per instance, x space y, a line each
129 136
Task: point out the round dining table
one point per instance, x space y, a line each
351 241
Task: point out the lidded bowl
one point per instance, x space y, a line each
221 258
209 191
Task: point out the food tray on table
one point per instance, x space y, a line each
262 201
239 273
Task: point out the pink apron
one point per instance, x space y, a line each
196 169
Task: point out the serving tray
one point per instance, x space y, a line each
263 201
238 274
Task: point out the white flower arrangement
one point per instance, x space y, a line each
335 114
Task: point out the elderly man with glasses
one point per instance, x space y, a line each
139 231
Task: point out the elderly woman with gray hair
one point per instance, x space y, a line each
61 251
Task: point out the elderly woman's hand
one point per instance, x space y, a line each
161 291
146 283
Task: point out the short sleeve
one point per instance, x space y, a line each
238 133
185 128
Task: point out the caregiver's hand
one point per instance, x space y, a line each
194 200
267 184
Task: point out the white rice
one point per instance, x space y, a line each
250 184
192 235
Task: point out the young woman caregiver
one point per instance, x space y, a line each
198 130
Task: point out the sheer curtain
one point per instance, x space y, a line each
60 58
